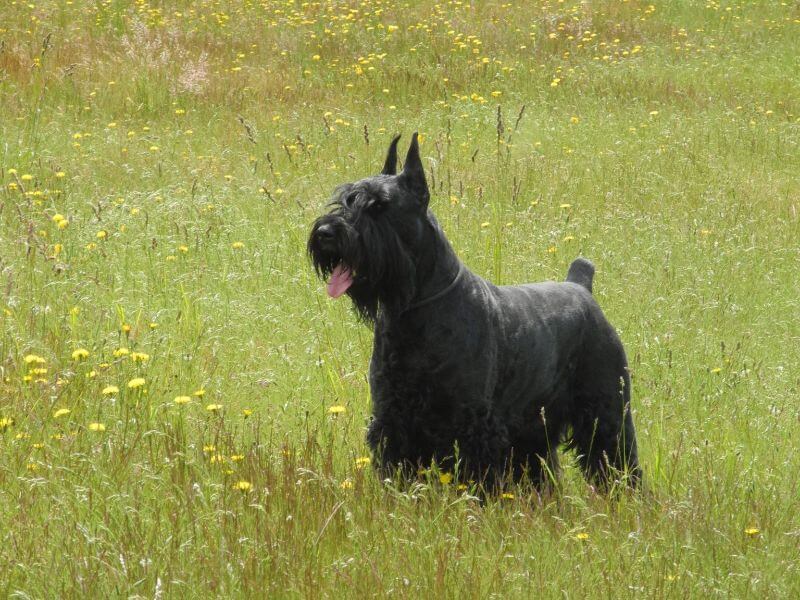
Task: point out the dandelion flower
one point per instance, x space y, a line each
362 461
507 496
199 393
242 486
445 478
34 358
121 352
110 390
97 427
136 382
582 536
61 412
214 407
346 485
335 410
246 412
80 354
139 357
752 531
5 423
182 400
237 245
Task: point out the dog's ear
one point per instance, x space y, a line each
413 175
390 166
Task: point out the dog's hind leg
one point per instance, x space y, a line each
603 431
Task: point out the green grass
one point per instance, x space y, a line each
204 137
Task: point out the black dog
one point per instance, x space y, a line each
488 380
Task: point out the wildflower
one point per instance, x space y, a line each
574 120
237 245
216 458
121 352
362 461
97 427
716 370
61 412
445 478
199 393
58 217
5 423
246 412
565 206
237 457
182 400
80 354
209 448
242 486
346 485
136 382
110 390
139 357
102 234
507 496
496 94
126 328
752 531
34 358
63 224
214 407
335 410
582 536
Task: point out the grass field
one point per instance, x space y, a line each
182 409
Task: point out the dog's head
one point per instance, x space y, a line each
368 245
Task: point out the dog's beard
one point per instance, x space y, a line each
368 263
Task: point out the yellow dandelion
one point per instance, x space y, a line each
214 407
80 354
5 423
246 412
121 352
336 410
199 393
136 382
237 245
496 94
61 412
57 218
63 224
363 461
139 357
110 390
61 174
34 358
242 486
574 120
752 531
715 370
101 235
237 457
445 478
182 400
346 485
582 536
97 427
507 496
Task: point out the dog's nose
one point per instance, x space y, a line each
325 232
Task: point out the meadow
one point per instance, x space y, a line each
182 408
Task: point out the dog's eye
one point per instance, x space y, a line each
349 200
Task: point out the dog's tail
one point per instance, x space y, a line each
581 271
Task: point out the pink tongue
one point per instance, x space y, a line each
340 280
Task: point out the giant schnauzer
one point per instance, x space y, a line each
485 379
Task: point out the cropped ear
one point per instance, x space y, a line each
390 166
413 175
